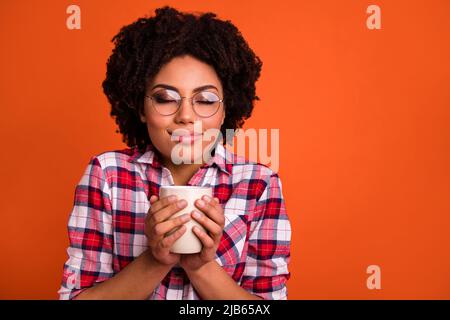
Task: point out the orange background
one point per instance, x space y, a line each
364 126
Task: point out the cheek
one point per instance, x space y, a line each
214 122
157 127
156 123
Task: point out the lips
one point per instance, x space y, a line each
189 139
186 138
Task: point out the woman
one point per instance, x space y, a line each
169 72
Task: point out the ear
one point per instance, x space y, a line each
142 117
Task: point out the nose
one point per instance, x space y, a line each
185 113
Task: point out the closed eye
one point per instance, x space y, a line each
163 100
205 102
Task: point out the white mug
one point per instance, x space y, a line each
188 242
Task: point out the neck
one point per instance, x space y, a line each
182 173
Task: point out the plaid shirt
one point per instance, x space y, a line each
106 224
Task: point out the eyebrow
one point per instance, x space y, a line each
166 86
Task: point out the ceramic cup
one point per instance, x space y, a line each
188 242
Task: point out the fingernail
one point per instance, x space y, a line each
172 198
197 229
206 198
201 203
181 203
196 214
185 217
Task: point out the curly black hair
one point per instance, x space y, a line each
144 46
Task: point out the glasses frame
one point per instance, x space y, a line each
179 101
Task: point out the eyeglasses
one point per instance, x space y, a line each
167 102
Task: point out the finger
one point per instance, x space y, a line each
212 209
167 242
212 201
213 228
204 238
167 226
163 202
153 199
166 212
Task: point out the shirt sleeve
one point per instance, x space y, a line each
90 234
266 269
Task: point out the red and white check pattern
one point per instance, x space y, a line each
106 224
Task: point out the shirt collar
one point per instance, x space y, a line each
222 158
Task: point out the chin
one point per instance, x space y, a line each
187 154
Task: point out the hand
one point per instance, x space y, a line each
158 224
212 218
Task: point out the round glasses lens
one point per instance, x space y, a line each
206 103
166 101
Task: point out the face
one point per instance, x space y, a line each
183 77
